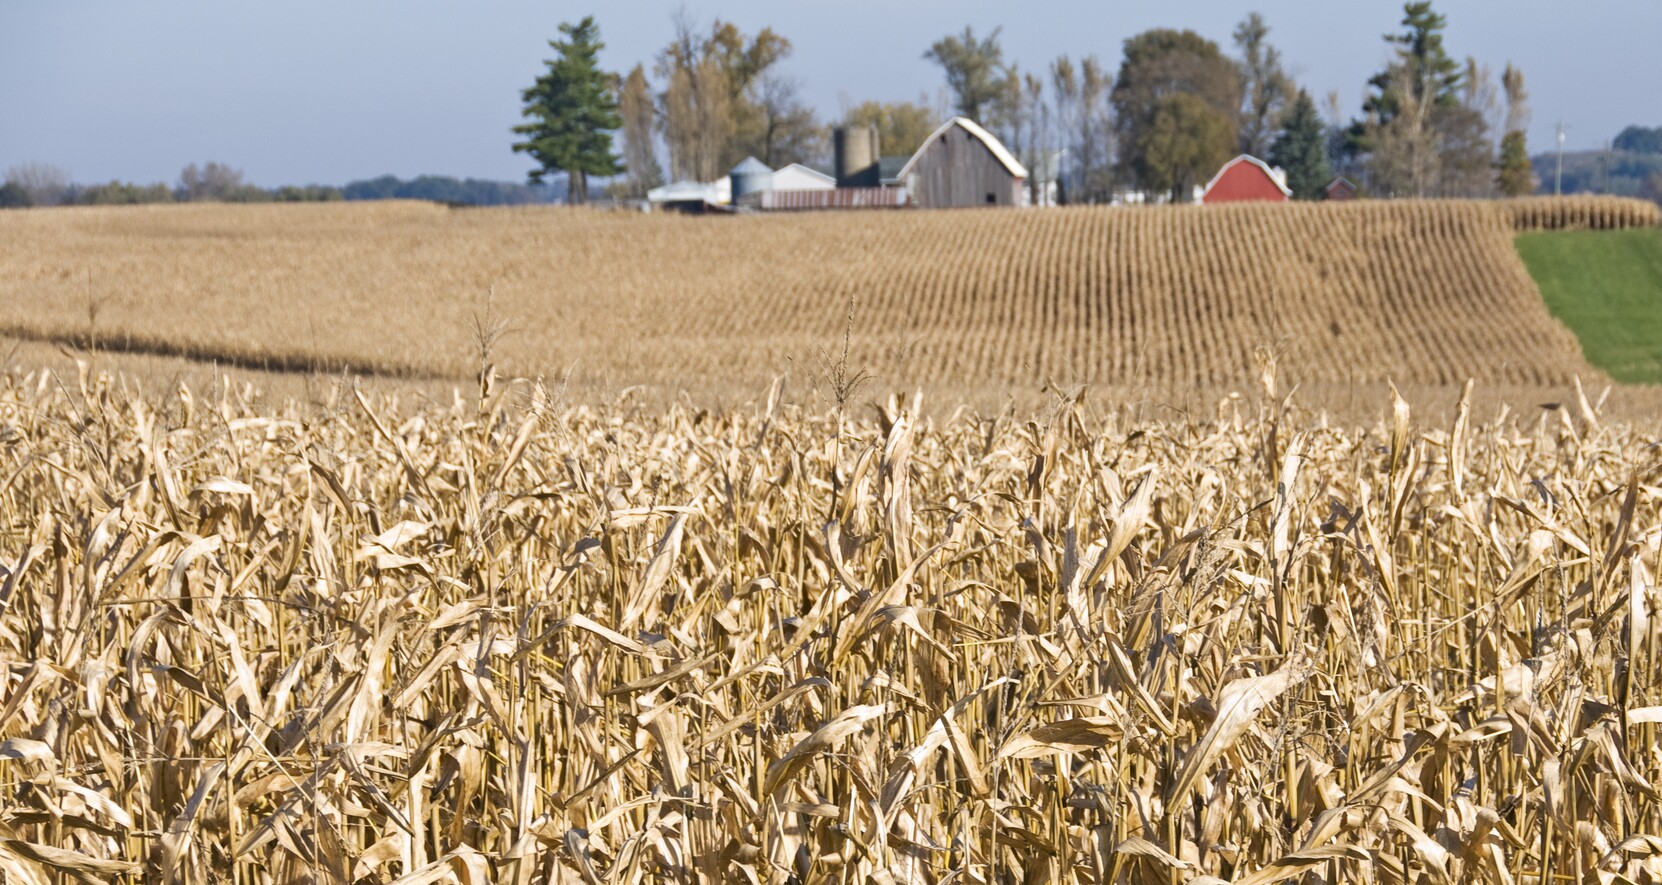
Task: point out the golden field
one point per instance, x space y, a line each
553 629
515 640
957 303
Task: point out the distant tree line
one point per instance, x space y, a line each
42 184
1630 166
1177 107
444 189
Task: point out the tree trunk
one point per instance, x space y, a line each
577 188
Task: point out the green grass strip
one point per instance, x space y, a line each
1607 287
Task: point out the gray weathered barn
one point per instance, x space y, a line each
962 164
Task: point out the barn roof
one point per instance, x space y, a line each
1248 158
1000 152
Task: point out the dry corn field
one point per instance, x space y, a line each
1420 293
508 640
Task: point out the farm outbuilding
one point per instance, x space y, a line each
1246 179
691 196
797 177
751 176
1339 190
855 151
962 164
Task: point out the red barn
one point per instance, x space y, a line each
1245 178
1340 190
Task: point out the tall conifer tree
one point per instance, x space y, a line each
1301 150
572 110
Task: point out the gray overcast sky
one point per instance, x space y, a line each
298 91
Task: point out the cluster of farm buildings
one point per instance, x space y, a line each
961 164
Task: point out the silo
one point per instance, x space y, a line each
750 177
856 156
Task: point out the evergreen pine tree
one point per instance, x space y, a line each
14 196
1301 150
572 109
1432 75
1423 76
1516 176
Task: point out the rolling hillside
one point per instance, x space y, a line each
1417 293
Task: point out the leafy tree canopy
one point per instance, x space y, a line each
1176 101
745 60
121 193
901 126
1161 62
974 70
1185 141
1639 140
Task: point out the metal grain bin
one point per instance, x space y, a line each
750 177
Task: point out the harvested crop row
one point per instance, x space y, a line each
501 644
1415 292
1582 213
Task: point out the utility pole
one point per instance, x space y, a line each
1558 177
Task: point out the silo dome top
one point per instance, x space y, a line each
751 166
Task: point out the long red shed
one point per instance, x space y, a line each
1245 178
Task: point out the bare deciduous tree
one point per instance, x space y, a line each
1517 99
640 117
213 181
1266 88
1404 160
787 132
1096 134
1041 170
710 106
1064 83
45 184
